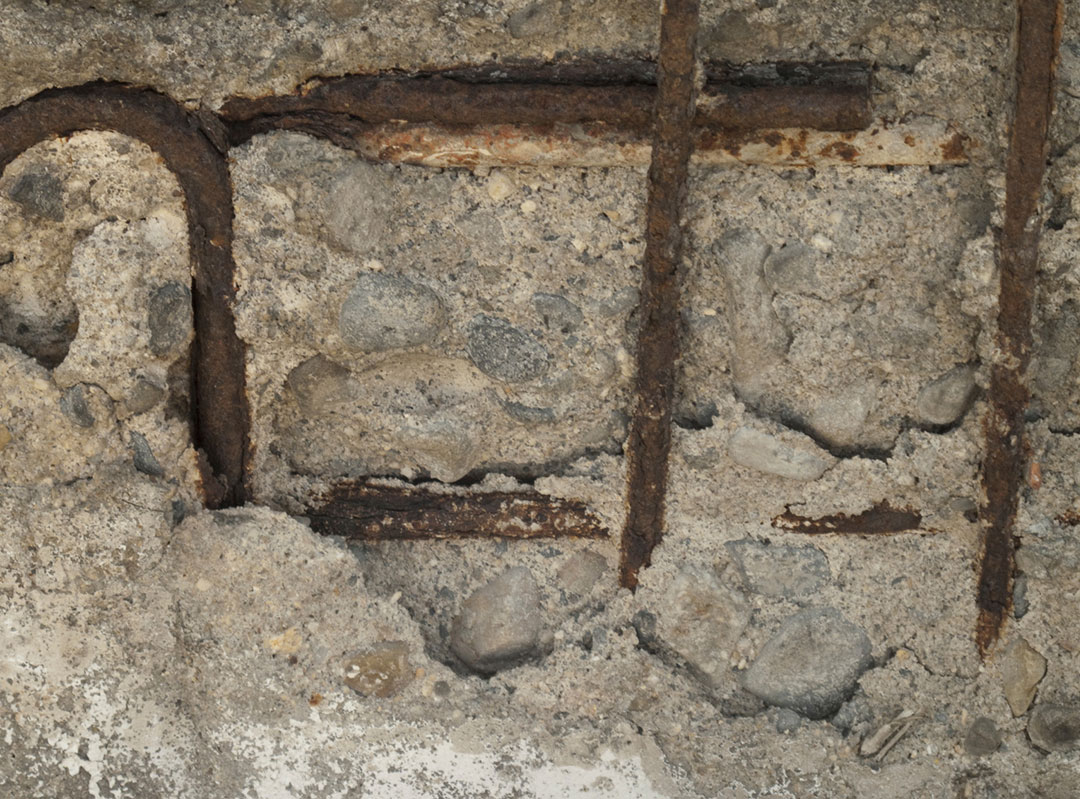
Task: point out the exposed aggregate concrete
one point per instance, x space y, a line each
443 325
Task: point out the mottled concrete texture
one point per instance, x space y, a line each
478 326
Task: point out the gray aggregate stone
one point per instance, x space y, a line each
797 459
169 317
780 570
787 720
983 737
144 396
581 571
1055 727
702 619
76 407
621 302
557 312
947 398
526 414
792 268
500 623
505 352
358 205
320 385
143 456
532 20
41 193
811 665
386 312
760 339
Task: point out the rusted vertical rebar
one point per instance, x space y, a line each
221 416
1038 36
658 343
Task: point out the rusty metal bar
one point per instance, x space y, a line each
649 442
628 107
917 142
881 519
363 510
220 404
1007 450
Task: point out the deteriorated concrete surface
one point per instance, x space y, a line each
419 324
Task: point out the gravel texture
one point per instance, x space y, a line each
478 326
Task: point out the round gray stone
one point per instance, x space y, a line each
945 399
386 312
1055 728
40 193
780 570
505 352
500 624
811 665
557 312
983 737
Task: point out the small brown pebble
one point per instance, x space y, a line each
384 671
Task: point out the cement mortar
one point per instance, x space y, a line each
839 327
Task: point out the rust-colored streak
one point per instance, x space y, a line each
627 107
955 149
881 519
841 150
1070 518
649 441
1004 466
221 411
371 512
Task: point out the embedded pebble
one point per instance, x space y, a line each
499 625
792 269
840 419
759 337
532 20
386 312
320 385
41 193
787 720
557 312
983 737
76 407
795 459
384 671
5 437
811 665
144 396
527 414
702 619
1021 670
1054 727
780 570
581 571
143 456
169 317
505 352
947 398
357 207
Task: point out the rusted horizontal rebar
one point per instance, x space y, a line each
628 107
372 512
1007 452
881 519
220 404
920 142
